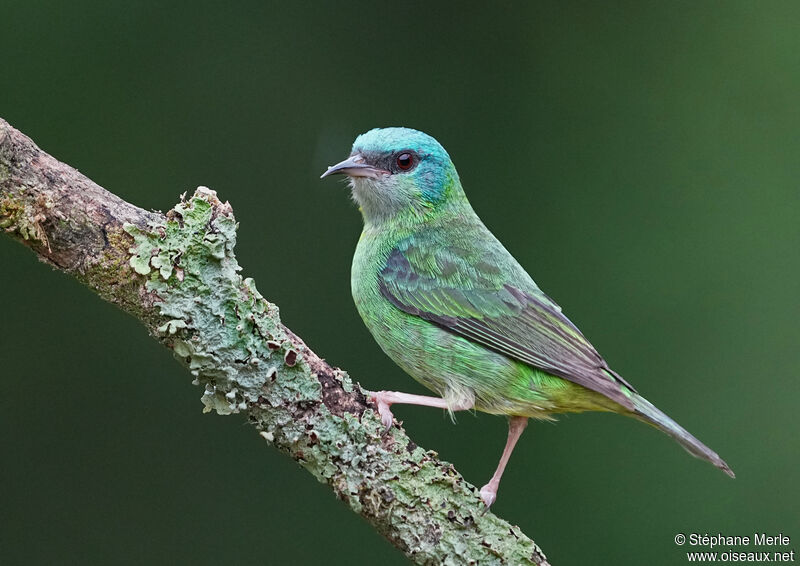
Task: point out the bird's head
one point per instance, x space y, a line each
398 171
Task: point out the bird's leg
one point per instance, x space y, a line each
515 427
384 399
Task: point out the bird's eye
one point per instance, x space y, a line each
405 161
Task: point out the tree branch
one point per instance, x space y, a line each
177 273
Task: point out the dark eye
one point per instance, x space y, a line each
404 161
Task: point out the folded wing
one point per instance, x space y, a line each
480 295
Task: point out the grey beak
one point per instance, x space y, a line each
354 166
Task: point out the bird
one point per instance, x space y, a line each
446 301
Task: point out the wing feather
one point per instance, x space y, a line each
463 291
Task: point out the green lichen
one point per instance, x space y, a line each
172 326
22 218
217 322
109 275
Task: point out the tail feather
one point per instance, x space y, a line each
647 412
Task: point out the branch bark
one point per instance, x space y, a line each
177 273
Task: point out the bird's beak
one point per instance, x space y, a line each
354 166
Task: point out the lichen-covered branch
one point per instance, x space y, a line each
177 273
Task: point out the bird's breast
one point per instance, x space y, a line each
443 362
399 335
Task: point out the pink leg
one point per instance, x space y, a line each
384 399
515 427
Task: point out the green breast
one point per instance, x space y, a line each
449 365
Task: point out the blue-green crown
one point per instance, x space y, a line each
391 140
435 174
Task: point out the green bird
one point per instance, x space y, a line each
450 305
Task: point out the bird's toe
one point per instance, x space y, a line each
488 496
387 418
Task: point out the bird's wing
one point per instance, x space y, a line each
482 294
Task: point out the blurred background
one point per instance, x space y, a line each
639 158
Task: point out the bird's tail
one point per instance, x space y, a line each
645 411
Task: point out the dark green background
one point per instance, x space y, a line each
641 159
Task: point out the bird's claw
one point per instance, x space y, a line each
488 495
387 418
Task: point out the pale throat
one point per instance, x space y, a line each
385 202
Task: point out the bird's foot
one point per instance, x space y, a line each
488 495
387 418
